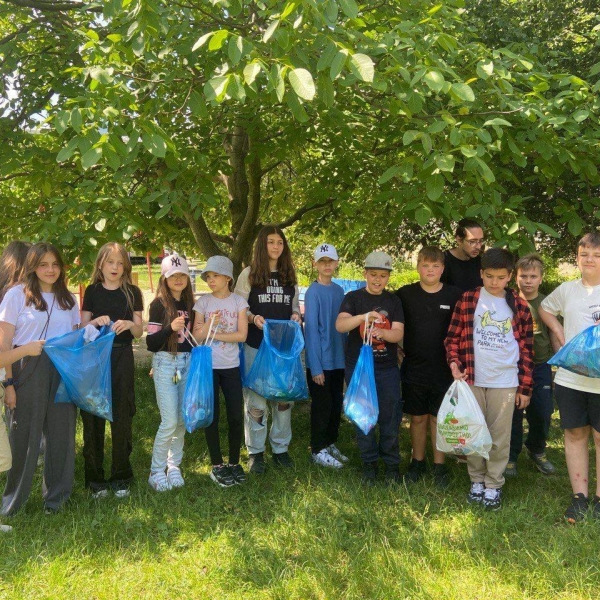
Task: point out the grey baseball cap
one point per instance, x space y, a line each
218 264
378 260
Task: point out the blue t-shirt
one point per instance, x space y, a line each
324 345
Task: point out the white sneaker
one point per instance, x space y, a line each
335 452
100 494
159 482
175 478
5 528
325 459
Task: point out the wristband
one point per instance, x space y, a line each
11 381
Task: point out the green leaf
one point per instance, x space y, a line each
445 162
468 151
289 9
326 91
434 186
202 40
270 31
410 136
302 83
513 228
163 211
197 105
337 64
350 8
423 215
326 57
549 230
297 108
485 69
90 158
389 174
76 120
235 48
435 80
497 121
217 40
277 82
485 171
100 225
251 71
362 67
463 92
155 144
215 88
575 225
101 75
61 121
580 115
67 151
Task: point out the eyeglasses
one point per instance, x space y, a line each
474 243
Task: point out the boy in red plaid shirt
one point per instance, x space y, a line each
490 345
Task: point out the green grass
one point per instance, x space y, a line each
308 533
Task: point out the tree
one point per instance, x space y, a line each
194 122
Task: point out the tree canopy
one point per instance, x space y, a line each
193 123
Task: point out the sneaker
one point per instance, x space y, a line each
460 458
256 463
324 459
416 470
283 460
5 528
511 469
99 493
369 476
596 507
122 492
492 499
441 476
221 475
50 511
577 510
335 452
475 496
158 482
392 476
175 477
542 463
238 473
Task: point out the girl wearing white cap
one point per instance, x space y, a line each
232 328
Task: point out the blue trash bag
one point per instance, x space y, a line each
277 373
360 402
242 355
581 354
85 370
198 406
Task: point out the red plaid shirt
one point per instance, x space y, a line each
459 341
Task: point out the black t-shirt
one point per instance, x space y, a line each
361 302
112 303
272 302
427 317
157 339
464 274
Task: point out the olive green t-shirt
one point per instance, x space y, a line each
542 348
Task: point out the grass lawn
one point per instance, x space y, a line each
307 533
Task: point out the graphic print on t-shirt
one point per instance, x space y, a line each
491 333
378 346
275 293
503 326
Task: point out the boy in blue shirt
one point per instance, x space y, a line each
324 359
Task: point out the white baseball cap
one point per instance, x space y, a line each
173 263
220 265
325 251
378 260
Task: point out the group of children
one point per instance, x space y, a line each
478 330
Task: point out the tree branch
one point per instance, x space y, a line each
202 235
53 6
302 211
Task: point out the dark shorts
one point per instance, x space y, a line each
422 399
577 408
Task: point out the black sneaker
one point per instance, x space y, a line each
577 510
283 460
369 476
596 507
222 476
475 496
441 476
542 463
256 463
416 471
392 476
492 498
238 473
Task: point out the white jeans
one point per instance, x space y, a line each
256 411
168 444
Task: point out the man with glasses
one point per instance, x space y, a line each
463 263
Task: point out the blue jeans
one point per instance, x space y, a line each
387 382
168 444
538 415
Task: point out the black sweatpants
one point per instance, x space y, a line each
230 381
325 409
123 408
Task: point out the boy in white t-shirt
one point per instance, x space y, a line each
578 397
490 345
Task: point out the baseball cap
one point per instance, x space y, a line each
378 260
325 251
220 265
173 263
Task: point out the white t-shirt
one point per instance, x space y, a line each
30 323
225 355
494 343
579 306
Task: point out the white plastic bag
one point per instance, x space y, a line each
461 427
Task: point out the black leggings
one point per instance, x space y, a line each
230 381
